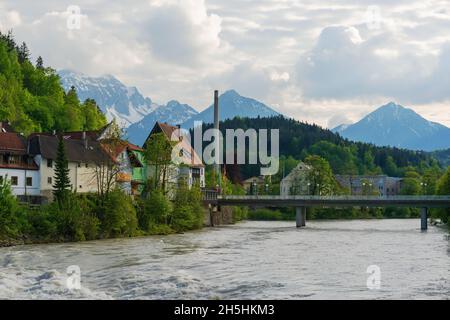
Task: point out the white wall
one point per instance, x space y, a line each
22 189
82 178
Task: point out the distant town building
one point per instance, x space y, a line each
192 169
370 184
296 182
254 184
16 165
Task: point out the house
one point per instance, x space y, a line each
16 166
370 184
253 184
296 182
85 156
131 165
191 168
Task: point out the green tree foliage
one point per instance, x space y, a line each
76 222
443 188
156 211
321 176
118 216
10 213
32 98
61 188
158 153
298 140
411 183
187 211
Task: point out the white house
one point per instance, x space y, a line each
17 166
296 182
84 157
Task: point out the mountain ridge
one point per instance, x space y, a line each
397 126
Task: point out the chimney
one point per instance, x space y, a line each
216 126
85 140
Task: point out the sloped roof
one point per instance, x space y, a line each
301 167
12 143
76 150
189 156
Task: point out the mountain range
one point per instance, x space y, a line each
396 126
390 125
115 99
138 114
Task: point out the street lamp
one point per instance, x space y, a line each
424 186
267 188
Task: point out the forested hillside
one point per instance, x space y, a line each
298 140
32 98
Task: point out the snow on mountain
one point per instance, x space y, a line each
173 113
115 99
397 126
232 104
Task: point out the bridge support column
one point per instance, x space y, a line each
424 219
300 216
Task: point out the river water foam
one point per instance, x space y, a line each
250 260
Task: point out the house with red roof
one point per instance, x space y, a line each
17 167
191 168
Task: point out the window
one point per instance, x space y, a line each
49 163
29 181
49 180
87 165
79 164
14 181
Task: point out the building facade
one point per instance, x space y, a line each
296 182
16 166
381 185
190 167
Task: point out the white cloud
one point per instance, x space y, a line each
316 61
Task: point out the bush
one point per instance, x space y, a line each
42 225
77 220
154 210
10 213
118 215
187 213
240 213
265 214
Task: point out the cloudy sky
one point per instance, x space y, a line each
327 62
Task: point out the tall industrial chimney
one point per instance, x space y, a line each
216 126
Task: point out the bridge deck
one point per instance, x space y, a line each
333 201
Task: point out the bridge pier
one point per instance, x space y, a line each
300 216
424 219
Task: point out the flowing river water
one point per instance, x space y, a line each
249 260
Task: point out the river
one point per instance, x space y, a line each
249 260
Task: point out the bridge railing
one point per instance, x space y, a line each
345 197
209 194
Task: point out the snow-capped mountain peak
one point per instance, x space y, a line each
115 99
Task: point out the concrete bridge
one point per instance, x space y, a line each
303 202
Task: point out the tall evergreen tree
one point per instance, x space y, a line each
39 63
62 186
23 54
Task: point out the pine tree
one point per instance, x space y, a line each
62 186
39 63
23 54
